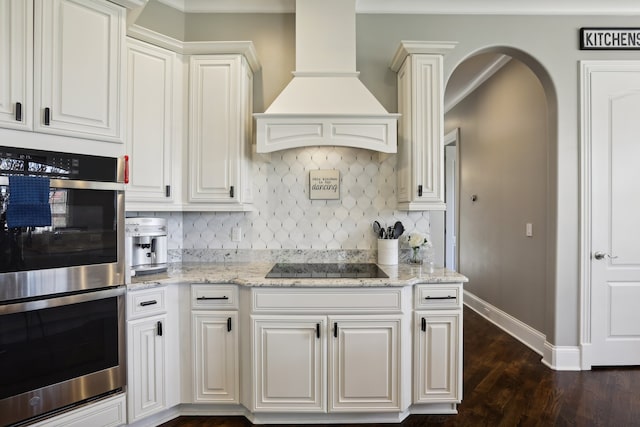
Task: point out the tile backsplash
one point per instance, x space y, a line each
286 219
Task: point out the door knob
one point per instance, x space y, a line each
601 255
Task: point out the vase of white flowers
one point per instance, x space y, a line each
417 241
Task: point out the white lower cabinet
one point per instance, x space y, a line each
365 363
330 361
147 347
290 363
149 356
214 326
438 345
215 349
293 354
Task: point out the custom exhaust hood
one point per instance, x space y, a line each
326 104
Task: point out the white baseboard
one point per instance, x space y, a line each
565 358
562 358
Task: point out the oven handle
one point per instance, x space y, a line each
62 300
75 184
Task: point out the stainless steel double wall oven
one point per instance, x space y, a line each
62 293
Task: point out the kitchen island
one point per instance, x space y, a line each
224 339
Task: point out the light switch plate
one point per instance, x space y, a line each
236 234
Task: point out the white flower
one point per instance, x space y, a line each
417 240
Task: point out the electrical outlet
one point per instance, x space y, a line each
236 234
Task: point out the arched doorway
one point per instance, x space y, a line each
500 105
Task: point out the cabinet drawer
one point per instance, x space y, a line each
109 412
214 296
146 302
352 300
438 297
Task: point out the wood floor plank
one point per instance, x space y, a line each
506 384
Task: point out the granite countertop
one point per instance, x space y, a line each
253 274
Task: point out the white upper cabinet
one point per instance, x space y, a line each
16 63
220 100
150 129
189 124
420 127
79 68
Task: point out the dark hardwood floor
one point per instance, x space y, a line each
505 384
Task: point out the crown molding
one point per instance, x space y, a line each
245 48
432 7
232 6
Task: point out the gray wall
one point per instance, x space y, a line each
551 41
503 144
166 20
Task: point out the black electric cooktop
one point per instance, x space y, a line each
326 271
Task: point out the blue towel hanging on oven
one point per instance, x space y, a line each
28 202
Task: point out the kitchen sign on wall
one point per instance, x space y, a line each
324 184
610 38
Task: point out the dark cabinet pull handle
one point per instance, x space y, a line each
228 324
47 116
146 303
159 328
18 111
424 325
335 329
447 297
317 330
212 298
231 191
419 190
167 191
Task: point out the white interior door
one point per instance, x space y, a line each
613 129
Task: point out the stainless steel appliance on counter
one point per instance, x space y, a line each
146 245
62 275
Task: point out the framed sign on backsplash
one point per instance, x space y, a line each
324 184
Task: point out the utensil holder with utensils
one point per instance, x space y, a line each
388 251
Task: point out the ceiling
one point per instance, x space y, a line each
482 7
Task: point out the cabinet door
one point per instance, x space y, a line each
420 149
16 63
79 68
289 367
217 137
438 357
146 366
150 117
215 348
365 363
405 140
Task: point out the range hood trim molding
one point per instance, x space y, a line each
275 132
326 104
